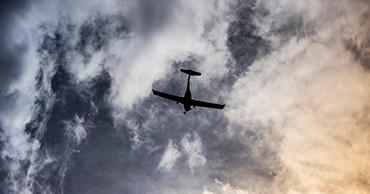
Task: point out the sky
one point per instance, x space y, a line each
77 113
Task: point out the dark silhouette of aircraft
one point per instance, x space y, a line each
187 101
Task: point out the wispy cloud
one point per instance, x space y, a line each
169 157
294 76
225 188
193 148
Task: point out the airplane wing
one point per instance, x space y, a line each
206 104
169 96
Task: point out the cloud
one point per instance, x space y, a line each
11 48
312 91
78 128
193 148
147 58
17 95
169 157
72 44
225 188
295 120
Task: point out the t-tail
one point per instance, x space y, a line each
190 72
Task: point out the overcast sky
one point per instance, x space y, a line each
77 113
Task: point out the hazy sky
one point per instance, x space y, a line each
77 114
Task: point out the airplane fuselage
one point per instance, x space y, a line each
187 97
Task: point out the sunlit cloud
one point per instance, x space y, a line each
76 102
312 90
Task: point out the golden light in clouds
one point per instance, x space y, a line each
314 92
326 136
79 108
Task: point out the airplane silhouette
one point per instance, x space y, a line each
187 101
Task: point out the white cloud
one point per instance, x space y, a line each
169 157
87 71
225 188
77 128
314 94
18 146
193 27
144 59
193 148
313 91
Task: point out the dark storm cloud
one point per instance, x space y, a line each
10 53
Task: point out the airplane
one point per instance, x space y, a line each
187 101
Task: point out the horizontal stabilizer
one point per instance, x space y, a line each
190 72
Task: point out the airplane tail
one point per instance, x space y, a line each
190 72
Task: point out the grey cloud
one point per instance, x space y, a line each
10 54
243 40
154 15
96 34
123 157
61 100
10 64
